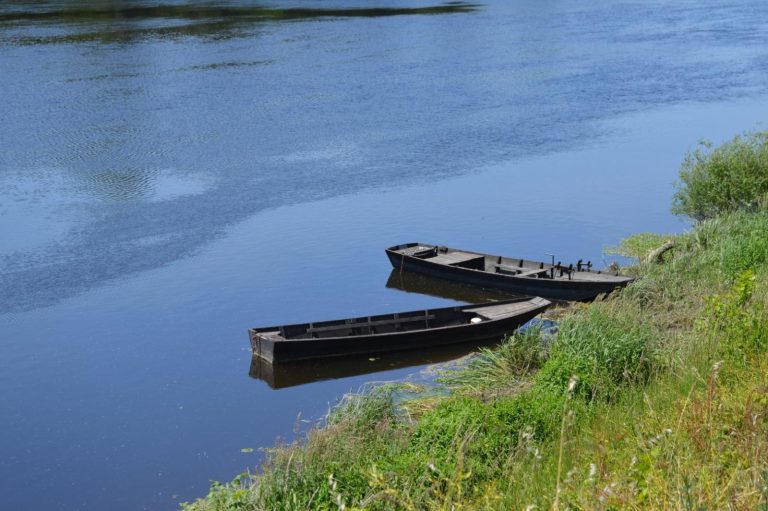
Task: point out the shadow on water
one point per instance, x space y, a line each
415 283
279 376
107 21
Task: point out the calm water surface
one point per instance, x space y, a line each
171 174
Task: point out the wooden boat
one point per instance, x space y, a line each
391 332
521 276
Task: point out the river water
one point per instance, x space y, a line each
173 173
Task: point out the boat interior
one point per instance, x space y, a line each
502 265
401 322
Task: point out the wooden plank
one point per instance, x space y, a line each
523 273
453 258
414 251
532 272
313 329
511 269
497 311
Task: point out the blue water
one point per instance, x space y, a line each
170 177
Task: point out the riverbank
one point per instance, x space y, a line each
653 398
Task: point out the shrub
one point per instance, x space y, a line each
729 177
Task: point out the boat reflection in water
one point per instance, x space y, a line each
290 374
411 282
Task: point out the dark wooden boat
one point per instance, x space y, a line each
521 276
391 332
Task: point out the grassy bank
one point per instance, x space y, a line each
655 398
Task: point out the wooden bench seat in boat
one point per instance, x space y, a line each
512 270
454 258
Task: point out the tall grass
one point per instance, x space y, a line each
606 348
505 369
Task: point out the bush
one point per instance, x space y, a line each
729 177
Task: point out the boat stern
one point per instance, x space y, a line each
262 345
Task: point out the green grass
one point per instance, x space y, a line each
639 245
